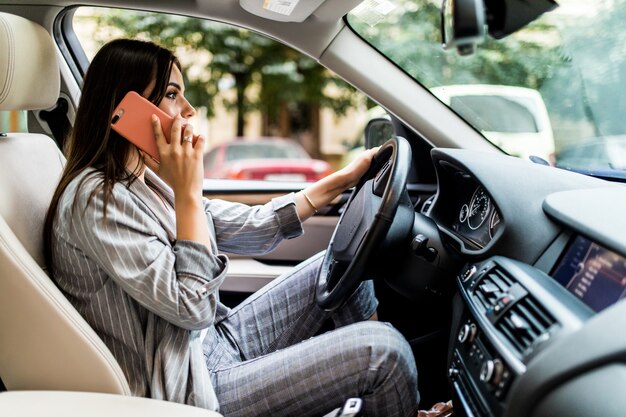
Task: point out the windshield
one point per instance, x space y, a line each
554 89
511 117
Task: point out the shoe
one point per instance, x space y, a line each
438 410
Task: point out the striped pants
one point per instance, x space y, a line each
264 360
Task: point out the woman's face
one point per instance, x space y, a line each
174 101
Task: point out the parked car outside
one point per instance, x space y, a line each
513 118
275 159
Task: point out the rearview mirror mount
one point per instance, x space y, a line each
462 24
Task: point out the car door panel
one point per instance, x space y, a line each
248 274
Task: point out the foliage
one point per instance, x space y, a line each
596 50
539 56
263 74
411 37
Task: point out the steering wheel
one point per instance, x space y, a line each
364 225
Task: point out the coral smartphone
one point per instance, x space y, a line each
132 119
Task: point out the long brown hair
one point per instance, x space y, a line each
120 66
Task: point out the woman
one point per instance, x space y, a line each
134 246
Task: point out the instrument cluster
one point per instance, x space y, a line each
478 219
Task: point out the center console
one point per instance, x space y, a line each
508 312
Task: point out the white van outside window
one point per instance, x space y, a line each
513 118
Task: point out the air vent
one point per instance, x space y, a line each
512 311
491 287
524 324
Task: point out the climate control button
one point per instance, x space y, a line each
467 333
491 371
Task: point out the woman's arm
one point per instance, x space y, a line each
253 230
181 168
256 230
316 196
175 280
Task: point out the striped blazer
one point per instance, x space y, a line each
149 296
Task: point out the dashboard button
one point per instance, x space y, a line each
491 371
486 371
468 273
467 333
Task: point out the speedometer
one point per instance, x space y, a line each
478 209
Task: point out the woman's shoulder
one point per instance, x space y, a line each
86 183
87 189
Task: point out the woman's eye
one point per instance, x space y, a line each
171 94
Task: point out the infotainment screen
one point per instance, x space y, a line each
593 273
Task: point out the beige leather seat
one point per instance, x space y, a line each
44 343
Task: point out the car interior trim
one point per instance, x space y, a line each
596 213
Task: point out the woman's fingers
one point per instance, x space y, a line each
199 145
364 160
158 131
176 133
180 164
187 139
359 166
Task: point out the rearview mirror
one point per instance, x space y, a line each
377 132
464 23
507 16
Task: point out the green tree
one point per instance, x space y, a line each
411 37
596 51
224 56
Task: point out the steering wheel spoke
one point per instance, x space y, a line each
359 214
335 272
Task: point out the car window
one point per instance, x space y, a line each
567 68
285 149
13 121
512 116
256 99
210 157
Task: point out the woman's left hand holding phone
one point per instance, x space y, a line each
182 169
180 159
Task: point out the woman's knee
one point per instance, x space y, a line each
383 349
390 350
390 374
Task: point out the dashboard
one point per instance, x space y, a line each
538 322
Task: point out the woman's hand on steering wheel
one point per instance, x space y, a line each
358 166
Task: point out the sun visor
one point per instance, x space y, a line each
281 10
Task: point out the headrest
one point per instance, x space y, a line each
29 72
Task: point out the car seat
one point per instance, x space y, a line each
44 342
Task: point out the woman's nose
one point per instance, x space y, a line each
189 111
